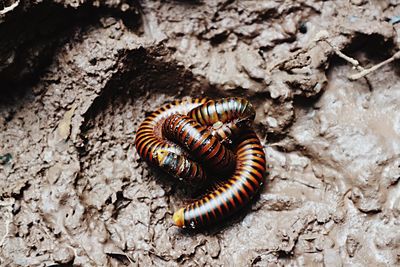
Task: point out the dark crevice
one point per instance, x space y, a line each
188 2
141 71
140 67
367 49
29 40
302 101
374 46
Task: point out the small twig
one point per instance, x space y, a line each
374 68
305 184
351 60
362 71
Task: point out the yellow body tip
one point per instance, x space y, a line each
179 218
161 154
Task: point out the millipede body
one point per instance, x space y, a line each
160 152
226 116
197 140
234 193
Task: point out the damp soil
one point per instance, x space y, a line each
77 78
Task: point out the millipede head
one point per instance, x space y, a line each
161 154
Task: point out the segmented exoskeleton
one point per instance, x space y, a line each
225 116
234 193
222 117
207 122
158 151
197 139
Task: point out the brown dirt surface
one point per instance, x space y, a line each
77 78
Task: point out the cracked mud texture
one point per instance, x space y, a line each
77 78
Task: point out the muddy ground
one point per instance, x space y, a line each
77 77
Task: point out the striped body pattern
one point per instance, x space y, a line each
232 194
225 116
160 152
197 139
190 138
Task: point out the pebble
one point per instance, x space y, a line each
63 255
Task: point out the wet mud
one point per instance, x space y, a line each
77 78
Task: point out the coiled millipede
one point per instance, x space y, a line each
207 125
159 151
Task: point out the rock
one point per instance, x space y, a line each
352 245
63 255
